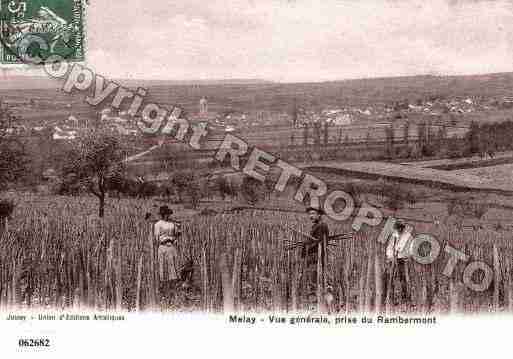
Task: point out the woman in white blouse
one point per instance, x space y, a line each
166 234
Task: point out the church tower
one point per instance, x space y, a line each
203 107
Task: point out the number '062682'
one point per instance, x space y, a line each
26 342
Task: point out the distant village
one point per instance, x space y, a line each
69 127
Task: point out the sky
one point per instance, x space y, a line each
298 40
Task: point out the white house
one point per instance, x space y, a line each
343 119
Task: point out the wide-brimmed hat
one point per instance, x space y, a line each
316 209
165 210
399 225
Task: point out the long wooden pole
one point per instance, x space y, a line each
320 302
378 279
139 281
497 278
226 282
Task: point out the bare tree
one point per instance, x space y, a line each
406 132
93 162
461 208
389 138
13 159
6 210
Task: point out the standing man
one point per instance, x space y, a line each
397 254
318 237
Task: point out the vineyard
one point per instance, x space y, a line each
53 254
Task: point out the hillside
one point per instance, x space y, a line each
251 93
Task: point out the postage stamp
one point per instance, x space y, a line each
41 28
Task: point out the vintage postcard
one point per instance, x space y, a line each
194 169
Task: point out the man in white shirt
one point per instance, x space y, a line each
397 254
398 246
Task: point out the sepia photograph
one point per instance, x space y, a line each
237 164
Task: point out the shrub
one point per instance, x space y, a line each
187 186
6 208
252 190
224 187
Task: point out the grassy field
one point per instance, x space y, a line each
450 164
56 254
500 173
462 180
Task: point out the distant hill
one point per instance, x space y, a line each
42 82
225 96
28 82
408 88
500 82
281 97
151 83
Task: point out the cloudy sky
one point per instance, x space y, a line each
298 40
